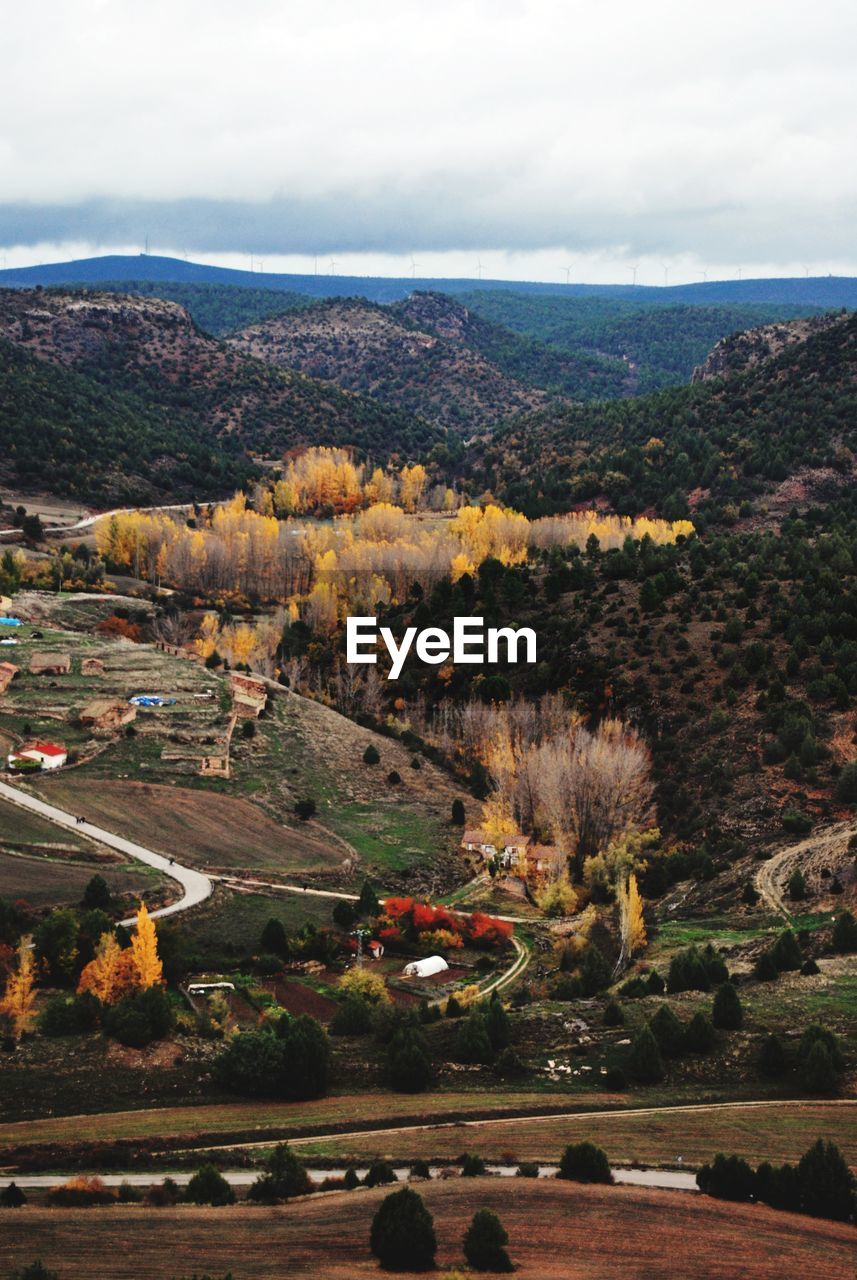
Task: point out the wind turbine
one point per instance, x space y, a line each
666 275
568 271
333 266
740 273
705 277
414 266
479 268
633 271
806 272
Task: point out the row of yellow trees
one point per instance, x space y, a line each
113 973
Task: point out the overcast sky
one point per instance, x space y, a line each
532 136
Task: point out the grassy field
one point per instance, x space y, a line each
54 882
241 917
583 1234
777 1132
201 828
659 1136
20 827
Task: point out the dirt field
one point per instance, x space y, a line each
200 828
582 1233
48 882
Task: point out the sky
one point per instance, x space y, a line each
520 139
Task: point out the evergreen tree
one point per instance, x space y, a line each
584 1162
471 1041
208 1186
497 1024
305 1057
817 1072
645 1064
797 885
368 903
668 1030
772 1057
408 1062
845 934
595 972
485 1243
458 814
274 939
787 954
827 1187
613 1015
284 1176
402 1237
12 1197
97 895
700 1036
727 1012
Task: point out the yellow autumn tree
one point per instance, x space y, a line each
144 949
631 923
20 994
112 973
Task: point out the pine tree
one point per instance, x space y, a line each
727 1012
845 934
402 1237
646 1065
485 1243
827 1187
584 1162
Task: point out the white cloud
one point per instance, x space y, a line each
621 130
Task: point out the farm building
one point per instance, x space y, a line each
107 714
425 968
544 863
249 696
49 755
92 667
8 671
50 664
508 848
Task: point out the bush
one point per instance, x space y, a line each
344 914
251 1064
12 1197
688 972
497 1024
700 1036
826 1184
797 885
727 1178
787 954
274 939
370 755
809 968
634 989
284 1177
352 1018
614 1080
80 1192
380 1174
845 934
727 1012
613 1015
645 1063
765 968
208 1186
129 1194
527 1169
584 1162
795 822
772 1057
165 1195
750 894
305 809
351 1179
420 1169
402 1237
817 1072
409 1066
35 1271
656 984
471 1042
595 972
472 1166
510 1064
669 1032
485 1241
70 1015
846 784
97 895
394 778
815 1033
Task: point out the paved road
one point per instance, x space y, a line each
196 886
669 1179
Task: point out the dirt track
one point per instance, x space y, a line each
826 846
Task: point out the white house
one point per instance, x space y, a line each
50 755
425 968
507 848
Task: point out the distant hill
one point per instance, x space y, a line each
371 349
741 352
822 292
152 375
782 433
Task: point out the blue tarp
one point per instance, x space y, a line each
151 700
11 622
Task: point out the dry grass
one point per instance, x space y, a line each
47 882
557 1231
197 827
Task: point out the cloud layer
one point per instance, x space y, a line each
301 127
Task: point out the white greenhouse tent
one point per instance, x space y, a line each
425 968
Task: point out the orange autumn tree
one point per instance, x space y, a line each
20 994
116 972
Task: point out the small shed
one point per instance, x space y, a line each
249 696
92 667
107 714
425 968
50 664
8 671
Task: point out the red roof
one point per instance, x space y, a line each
46 748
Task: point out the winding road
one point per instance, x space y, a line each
772 874
195 885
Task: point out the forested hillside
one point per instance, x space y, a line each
663 341
780 434
217 309
147 360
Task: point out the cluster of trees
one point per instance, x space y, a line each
289 1059
328 482
406 920
820 1184
403 1238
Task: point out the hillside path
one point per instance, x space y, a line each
196 886
772 874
